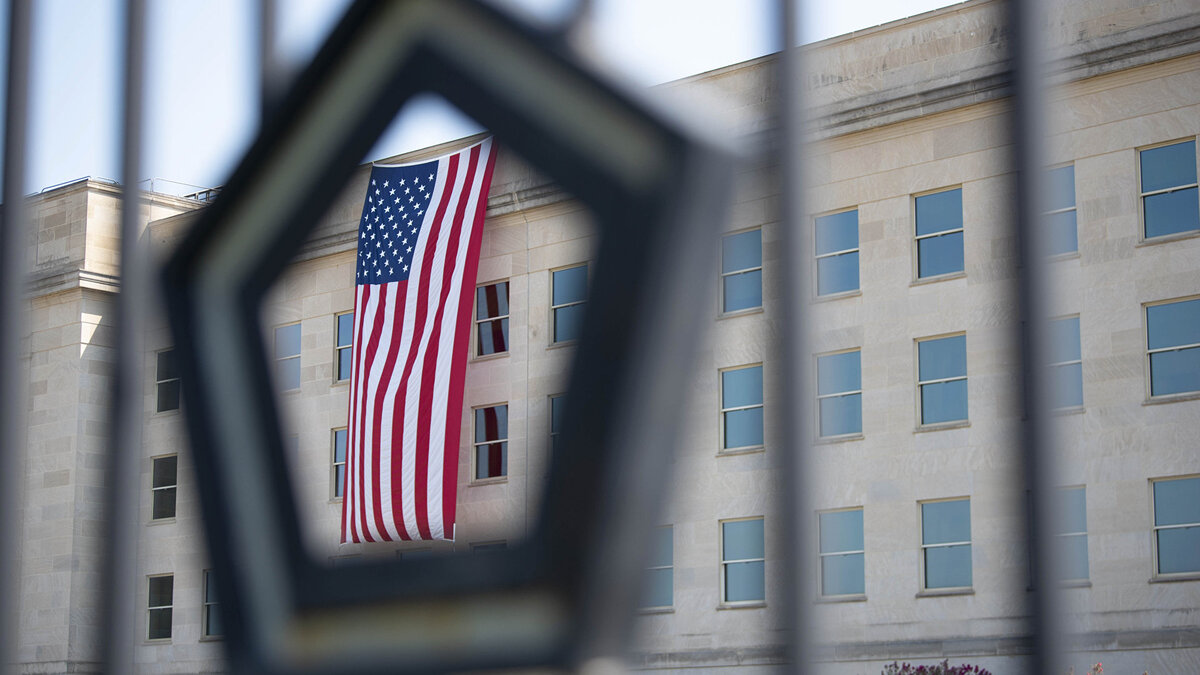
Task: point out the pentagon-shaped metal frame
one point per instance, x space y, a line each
657 191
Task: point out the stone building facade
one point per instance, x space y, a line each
920 504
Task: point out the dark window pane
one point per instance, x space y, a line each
744 428
946 522
742 291
837 274
491 460
1060 192
1074 509
210 594
658 591
1168 166
839 372
1064 340
841 415
942 358
1066 386
744 582
837 232
287 340
664 547
948 567
163 505
164 471
491 300
1179 550
944 402
557 404
568 323
940 255
289 373
161 591
1173 324
1177 502
168 396
740 387
741 251
1075 557
345 357
339 480
166 366
212 622
160 624
339 445
842 574
570 285
742 539
345 330
841 531
1171 212
939 212
1175 372
491 423
1063 234
493 337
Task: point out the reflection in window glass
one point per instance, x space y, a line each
568 295
839 394
741 271
343 341
491 319
742 561
1169 198
1177 525
942 379
939 233
837 252
339 463
1173 345
946 543
742 408
491 441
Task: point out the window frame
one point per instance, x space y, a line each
553 435
916 246
1064 535
723 568
1142 238
948 424
169 609
821 555
277 358
476 444
1055 366
722 410
159 382
1074 207
818 396
207 607
649 568
339 348
722 275
334 464
943 590
817 257
554 341
476 321
1155 528
154 489
1151 397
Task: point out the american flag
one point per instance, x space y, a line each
418 251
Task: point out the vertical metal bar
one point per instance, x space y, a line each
1037 453
125 433
796 401
13 242
269 70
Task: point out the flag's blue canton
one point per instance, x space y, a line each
397 199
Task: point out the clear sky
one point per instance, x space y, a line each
202 89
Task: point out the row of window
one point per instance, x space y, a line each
160 607
945 546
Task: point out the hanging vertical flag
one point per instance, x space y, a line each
418 251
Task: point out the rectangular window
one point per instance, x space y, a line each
842 566
557 403
1066 364
166 380
161 601
1177 525
741 271
939 233
946 544
942 379
210 620
660 576
839 393
491 442
343 343
837 252
1173 347
1073 536
742 561
287 356
568 295
742 408
1169 197
339 463
163 483
1063 236
491 319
